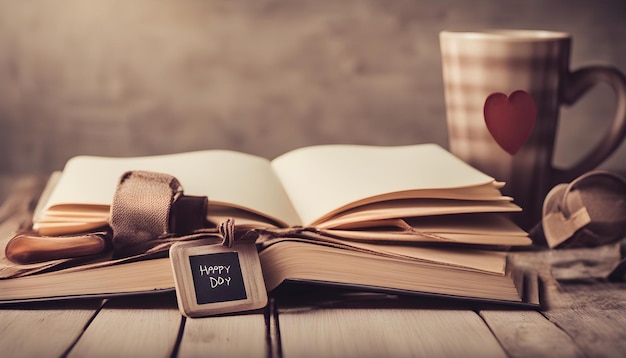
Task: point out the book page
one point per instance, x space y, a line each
414 208
480 260
226 177
483 277
436 238
323 179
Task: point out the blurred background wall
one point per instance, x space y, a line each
126 78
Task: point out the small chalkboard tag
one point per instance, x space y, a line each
213 279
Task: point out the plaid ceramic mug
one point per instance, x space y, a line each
503 90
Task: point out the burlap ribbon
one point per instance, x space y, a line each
150 211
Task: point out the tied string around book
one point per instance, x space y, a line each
149 213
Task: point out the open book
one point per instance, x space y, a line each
362 193
366 207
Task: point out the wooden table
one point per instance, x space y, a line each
583 317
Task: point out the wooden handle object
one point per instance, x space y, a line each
30 248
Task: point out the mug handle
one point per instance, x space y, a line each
576 84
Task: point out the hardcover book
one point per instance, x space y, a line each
409 219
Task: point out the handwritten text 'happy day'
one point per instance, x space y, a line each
212 271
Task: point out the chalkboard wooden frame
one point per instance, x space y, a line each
215 265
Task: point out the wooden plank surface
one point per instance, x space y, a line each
529 334
594 315
35 329
140 326
43 329
579 302
17 200
388 332
242 335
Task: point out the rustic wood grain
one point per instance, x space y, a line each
273 329
242 335
36 329
349 332
43 329
529 334
141 326
598 332
19 194
591 311
17 199
593 315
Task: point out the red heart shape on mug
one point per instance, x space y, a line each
510 120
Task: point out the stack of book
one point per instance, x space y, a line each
408 219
